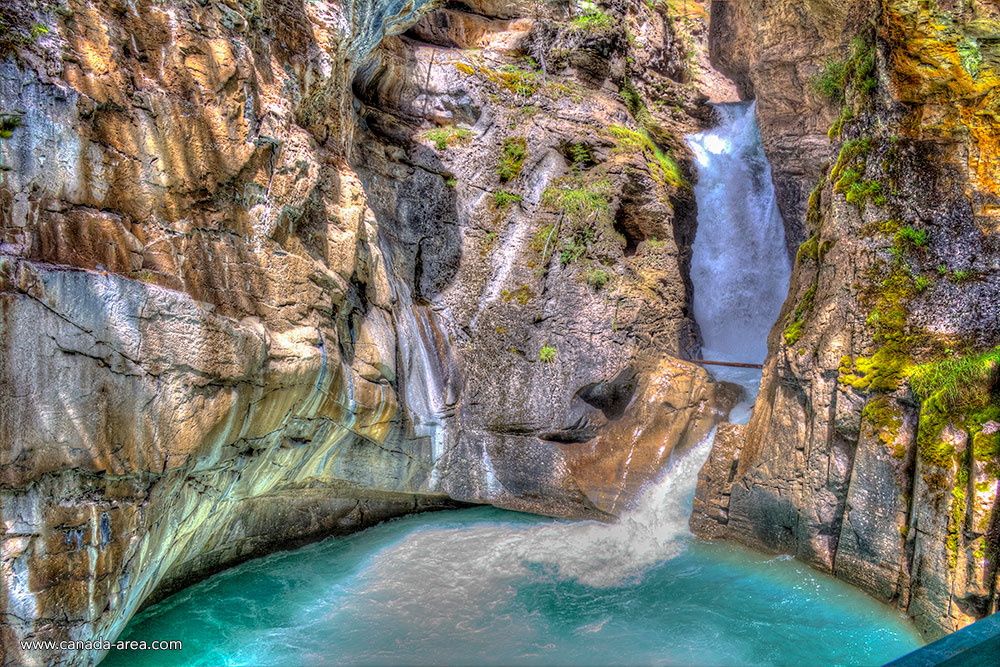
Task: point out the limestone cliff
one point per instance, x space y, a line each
872 450
276 270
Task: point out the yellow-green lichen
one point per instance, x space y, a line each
886 418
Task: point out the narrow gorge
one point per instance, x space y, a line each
275 271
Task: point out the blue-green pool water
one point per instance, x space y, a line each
486 586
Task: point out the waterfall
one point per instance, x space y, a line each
740 266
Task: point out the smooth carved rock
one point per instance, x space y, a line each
243 305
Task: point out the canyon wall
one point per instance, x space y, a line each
872 452
276 270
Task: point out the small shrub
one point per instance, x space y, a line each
576 245
581 155
8 123
513 151
547 354
596 278
593 21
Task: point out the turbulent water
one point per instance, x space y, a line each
740 267
486 586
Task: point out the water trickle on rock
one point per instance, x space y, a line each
488 586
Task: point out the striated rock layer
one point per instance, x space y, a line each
271 271
872 452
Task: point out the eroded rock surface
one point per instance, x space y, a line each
262 281
872 451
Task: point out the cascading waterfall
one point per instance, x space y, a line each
740 267
488 586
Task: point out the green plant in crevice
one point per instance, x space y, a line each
661 165
576 245
584 199
592 21
502 199
513 151
580 199
596 278
849 83
447 136
831 80
547 354
8 123
966 380
580 155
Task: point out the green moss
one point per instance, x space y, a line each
513 151
814 217
522 295
547 354
514 79
970 56
986 446
846 114
958 506
808 250
853 151
882 372
793 332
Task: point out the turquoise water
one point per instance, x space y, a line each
486 586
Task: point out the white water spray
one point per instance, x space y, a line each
740 267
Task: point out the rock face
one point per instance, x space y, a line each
872 450
274 271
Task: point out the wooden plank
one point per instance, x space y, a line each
726 363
